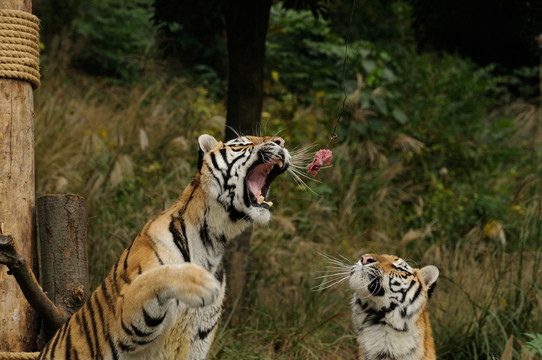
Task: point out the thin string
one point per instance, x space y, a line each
333 133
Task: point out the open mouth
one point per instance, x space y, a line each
259 179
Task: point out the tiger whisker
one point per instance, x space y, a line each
303 153
327 285
412 263
277 133
338 280
332 282
301 183
337 261
236 132
336 267
302 172
348 261
299 175
301 149
329 275
337 264
333 275
297 179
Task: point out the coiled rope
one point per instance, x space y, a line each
18 355
19 59
19 46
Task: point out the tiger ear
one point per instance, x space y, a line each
430 274
207 143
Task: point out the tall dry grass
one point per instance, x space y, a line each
129 150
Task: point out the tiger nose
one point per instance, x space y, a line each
367 259
279 141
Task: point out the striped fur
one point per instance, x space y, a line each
389 308
163 298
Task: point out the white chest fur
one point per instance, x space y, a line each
380 340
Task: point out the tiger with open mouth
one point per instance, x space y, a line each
163 298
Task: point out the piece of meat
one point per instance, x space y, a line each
321 158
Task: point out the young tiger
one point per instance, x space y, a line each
163 298
389 308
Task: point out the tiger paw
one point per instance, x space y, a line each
202 287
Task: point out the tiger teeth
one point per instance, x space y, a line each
261 199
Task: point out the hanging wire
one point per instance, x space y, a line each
333 133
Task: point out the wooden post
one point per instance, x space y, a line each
18 323
62 232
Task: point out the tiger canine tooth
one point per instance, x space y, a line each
260 197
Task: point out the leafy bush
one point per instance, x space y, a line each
118 37
535 344
304 57
193 33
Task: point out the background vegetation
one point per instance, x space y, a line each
438 160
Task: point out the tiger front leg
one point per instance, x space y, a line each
145 304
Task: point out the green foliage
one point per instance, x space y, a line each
304 57
436 125
374 21
118 37
56 17
535 344
193 32
460 148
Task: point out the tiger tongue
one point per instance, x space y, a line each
256 185
257 178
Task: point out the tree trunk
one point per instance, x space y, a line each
236 264
63 249
18 325
246 25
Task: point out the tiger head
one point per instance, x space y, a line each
388 282
239 172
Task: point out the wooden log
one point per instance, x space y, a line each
63 251
18 323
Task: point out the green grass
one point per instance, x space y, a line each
131 150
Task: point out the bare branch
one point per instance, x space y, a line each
17 266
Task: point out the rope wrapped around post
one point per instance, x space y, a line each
19 46
18 355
